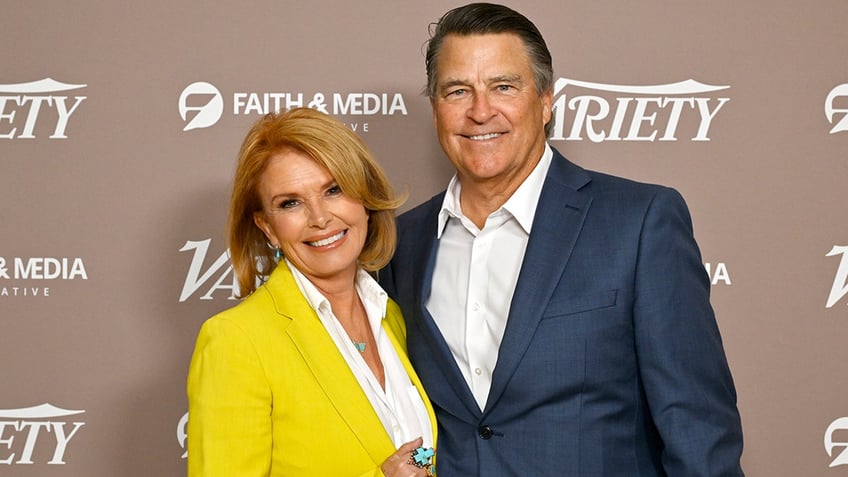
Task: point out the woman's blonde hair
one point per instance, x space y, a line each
330 144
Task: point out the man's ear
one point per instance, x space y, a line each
547 106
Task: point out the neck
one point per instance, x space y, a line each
480 197
339 286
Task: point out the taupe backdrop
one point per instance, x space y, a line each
115 175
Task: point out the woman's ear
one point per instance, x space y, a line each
261 222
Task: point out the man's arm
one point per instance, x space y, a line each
681 359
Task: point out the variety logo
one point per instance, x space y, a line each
21 433
37 269
207 104
831 446
221 270
607 112
840 282
839 92
22 105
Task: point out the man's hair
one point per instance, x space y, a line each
488 18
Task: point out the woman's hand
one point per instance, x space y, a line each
397 465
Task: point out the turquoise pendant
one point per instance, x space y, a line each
359 346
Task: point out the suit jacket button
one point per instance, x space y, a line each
486 432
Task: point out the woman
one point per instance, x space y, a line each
308 375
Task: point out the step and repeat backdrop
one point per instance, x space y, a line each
119 128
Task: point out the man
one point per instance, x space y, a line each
559 318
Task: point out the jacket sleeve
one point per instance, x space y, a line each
229 424
681 359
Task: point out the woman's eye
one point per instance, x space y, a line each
334 190
288 204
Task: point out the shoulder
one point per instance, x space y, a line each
255 315
619 186
422 214
567 174
613 199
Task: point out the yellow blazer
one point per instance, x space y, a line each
270 395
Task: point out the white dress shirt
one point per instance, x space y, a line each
475 275
399 406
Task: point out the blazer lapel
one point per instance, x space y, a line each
436 364
557 224
327 365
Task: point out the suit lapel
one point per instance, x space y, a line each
557 224
327 365
436 361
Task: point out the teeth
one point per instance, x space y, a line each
484 137
328 240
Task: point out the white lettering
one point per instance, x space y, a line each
581 105
47 268
32 107
62 440
674 116
7 116
264 103
34 428
721 273
840 424
24 291
8 441
181 433
656 111
64 115
194 280
358 104
840 281
829 110
639 117
33 431
707 117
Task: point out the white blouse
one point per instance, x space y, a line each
399 407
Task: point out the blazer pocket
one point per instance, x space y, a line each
572 305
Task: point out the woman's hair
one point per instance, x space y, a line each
330 144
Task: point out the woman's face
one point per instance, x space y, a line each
317 227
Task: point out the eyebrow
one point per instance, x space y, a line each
505 78
289 195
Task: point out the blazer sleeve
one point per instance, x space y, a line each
682 363
229 399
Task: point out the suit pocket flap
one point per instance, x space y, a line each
572 305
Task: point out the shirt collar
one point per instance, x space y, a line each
373 297
521 205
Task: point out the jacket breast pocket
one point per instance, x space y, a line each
572 305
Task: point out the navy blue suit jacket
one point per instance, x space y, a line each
611 363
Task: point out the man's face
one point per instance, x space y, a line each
489 118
